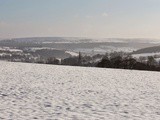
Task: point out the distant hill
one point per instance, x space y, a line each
154 49
88 46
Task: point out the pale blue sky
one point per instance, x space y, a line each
80 18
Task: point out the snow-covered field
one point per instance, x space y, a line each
48 92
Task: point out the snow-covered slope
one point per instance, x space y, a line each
44 92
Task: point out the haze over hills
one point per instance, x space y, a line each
85 45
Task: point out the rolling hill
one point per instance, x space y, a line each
153 49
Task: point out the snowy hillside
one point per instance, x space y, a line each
44 92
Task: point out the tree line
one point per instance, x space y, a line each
115 60
118 60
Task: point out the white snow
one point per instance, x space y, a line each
5 54
145 54
15 50
41 48
49 92
72 53
10 49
